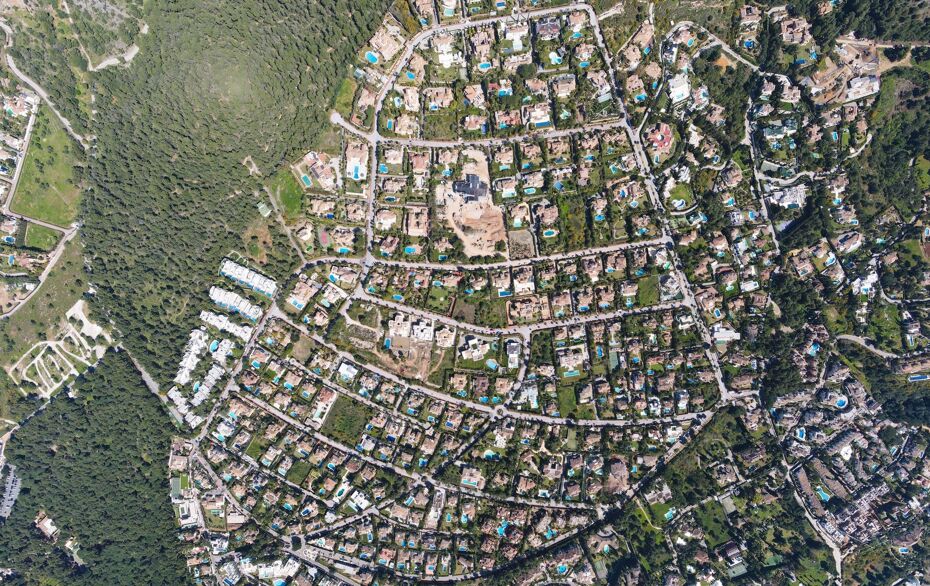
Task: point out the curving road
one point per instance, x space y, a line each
82 140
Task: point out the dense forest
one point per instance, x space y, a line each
95 465
901 20
105 29
798 304
46 49
902 133
216 81
900 401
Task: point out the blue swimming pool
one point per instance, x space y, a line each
371 57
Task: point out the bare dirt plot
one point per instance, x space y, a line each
522 244
480 225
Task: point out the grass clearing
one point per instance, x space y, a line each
884 327
284 186
47 189
299 471
712 518
41 237
256 447
345 98
923 172
567 401
346 420
648 292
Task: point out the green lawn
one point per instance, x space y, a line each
567 401
648 292
41 237
345 98
682 191
47 189
256 448
923 172
284 186
299 471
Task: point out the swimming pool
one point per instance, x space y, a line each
371 57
